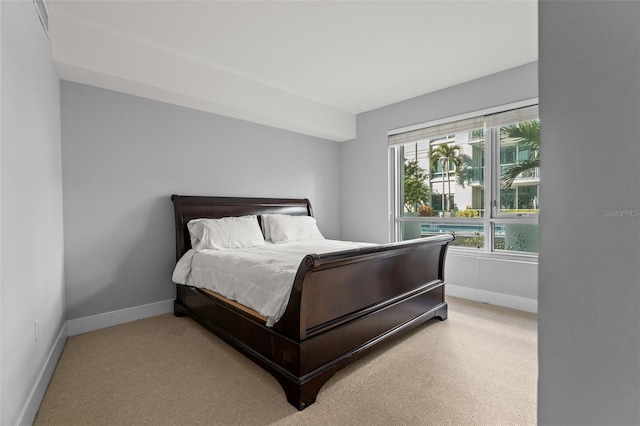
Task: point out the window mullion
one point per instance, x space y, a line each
489 192
395 190
495 172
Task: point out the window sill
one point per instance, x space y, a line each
502 256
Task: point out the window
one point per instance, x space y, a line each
476 176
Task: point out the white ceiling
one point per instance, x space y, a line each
305 66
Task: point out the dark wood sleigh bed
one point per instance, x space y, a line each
342 306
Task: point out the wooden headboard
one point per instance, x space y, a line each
187 208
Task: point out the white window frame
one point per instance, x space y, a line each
492 216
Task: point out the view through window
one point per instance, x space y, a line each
477 177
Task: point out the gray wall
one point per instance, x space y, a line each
365 182
31 278
123 156
589 290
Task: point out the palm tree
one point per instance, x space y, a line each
447 154
466 172
525 135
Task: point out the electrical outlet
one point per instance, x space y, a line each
36 330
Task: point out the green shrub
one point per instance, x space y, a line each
468 241
521 211
468 212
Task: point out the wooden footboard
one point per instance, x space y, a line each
345 304
336 288
342 306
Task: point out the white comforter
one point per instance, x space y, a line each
260 278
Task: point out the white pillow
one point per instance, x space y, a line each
284 228
266 229
266 226
228 232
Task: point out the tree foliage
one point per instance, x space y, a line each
525 135
416 191
465 172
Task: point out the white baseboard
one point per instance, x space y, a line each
499 299
79 326
31 406
109 319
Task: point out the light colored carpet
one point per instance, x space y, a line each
477 368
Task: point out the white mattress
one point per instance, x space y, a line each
260 278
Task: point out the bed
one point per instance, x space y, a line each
342 304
